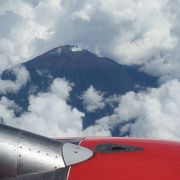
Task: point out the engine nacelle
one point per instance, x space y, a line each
23 152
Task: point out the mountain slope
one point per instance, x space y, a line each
84 69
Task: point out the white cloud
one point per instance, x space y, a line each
8 86
84 14
7 108
49 114
92 99
131 32
156 113
24 28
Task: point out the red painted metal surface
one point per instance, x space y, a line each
160 160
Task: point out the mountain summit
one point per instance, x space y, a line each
83 69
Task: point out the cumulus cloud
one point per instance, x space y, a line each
24 28
131 32
7 109
49 114
9 86
137 32
92 99
155 113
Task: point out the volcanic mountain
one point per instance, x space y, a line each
83 69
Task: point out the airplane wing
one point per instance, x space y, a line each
27 156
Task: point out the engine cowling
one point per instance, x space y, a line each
22 152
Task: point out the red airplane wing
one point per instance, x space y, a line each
129 159
26 156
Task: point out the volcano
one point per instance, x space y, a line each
83 69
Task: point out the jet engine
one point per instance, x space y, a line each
22 153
